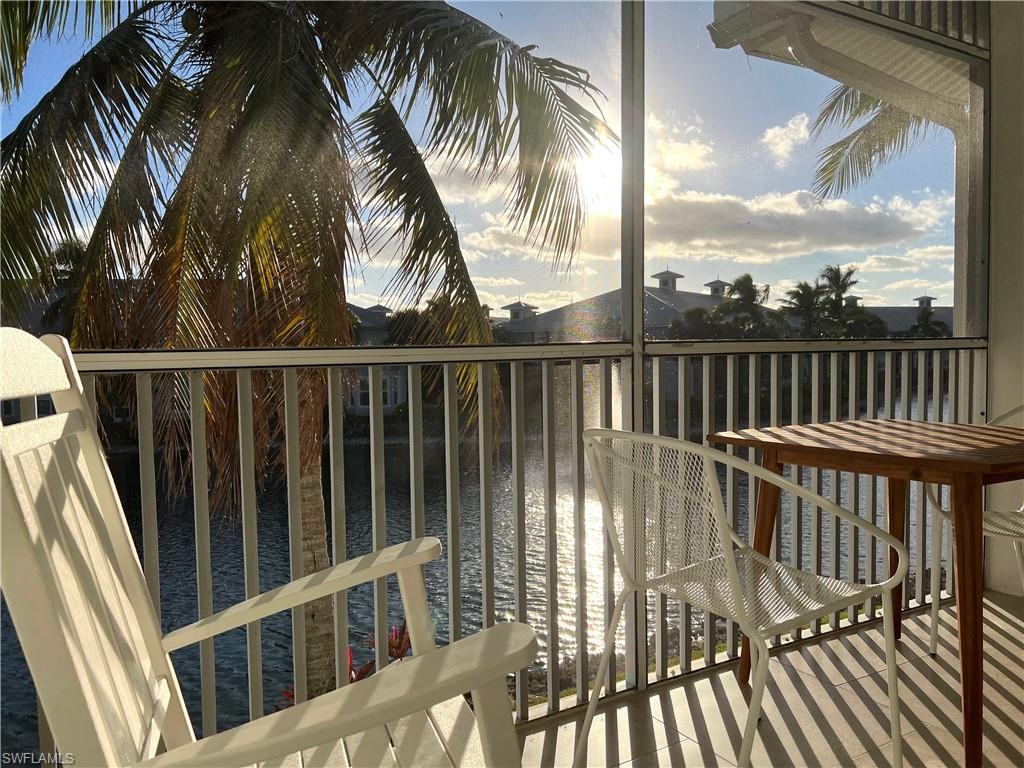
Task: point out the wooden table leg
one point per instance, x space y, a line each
967 514
764 528
896 500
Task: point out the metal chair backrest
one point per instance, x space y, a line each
71 576
662 507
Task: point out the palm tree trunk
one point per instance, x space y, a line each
320 648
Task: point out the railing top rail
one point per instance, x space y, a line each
132 361
767 346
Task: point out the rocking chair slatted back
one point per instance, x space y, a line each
71 577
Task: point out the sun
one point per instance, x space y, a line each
600 177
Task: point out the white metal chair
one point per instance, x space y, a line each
664 515
995 523
78 599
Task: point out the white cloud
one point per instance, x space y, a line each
928 212
599 242
496 282
931 253
781 139
763 229
458 184
914 282
673 148
886 264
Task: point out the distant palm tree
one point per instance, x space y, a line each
835 283
926 326
234 161
803 303
743 307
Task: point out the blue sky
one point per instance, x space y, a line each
729 165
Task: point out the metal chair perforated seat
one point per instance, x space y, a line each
665 519
776 597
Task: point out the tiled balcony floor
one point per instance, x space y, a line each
825 705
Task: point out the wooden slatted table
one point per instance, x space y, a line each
966 457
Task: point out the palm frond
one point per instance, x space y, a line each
850 161
491 105
23 21
60 158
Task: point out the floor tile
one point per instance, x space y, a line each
624 733
803 722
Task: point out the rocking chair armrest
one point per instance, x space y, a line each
407 687
308 588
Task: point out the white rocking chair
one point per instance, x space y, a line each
102 670
668 528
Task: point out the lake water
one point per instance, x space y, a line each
177 565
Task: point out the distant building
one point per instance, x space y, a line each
372 331
600 316
520 310
901 319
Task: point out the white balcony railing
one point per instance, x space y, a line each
521 527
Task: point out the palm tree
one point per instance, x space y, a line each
878 133
836 282
743 307
926 326
803 303
235 161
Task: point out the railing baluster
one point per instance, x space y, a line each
608 569
796 405
753 421
817 522
204 574
518 427
707 399
683 423
774 419
339 523
979 390
732 395
872 480
952 416
921 505
834 414
906 412
579 495
935 558
451 464
660 601
89 389
854 536
550 531
147 487
963 409
378 528
293 474
250 547
485 433
417 508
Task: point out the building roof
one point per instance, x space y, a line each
371 318
716 283
925 298
519 305
898 319
580 319
667 273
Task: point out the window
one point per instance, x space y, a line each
807 176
